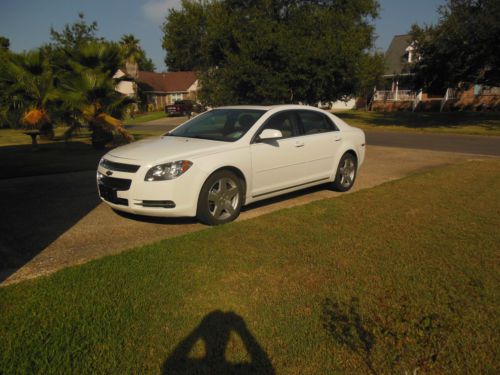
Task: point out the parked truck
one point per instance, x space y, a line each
183 108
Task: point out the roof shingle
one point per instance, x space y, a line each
166 82
394 55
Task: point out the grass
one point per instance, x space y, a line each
16 137
384 280
150 116
13 137
471 123
53 156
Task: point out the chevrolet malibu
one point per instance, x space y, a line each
213 164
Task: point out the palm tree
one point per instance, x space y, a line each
32 79
132 53
131 48
89 92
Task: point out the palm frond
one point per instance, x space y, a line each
112 124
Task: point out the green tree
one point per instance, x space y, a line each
4 43
461 47
88 88
183 35
10 102
369 73
29 84
271 51
133 53
74 35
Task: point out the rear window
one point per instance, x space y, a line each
315 122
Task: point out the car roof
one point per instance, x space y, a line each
269 107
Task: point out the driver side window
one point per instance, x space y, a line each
284 122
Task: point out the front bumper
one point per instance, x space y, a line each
128 192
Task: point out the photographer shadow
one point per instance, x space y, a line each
214 332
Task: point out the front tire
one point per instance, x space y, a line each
220 199
346 173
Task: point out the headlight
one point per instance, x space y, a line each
168 171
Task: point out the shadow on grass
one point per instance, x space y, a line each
393 338
348 328
55 157
214 333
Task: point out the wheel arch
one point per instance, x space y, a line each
352 152
345 150
238 172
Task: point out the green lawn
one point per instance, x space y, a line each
12 137
57 156
139 119
473 123
381 281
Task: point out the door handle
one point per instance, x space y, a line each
299 144
338 139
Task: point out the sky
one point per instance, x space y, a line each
27 22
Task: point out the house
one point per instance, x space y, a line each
400 93
126 85
156 90
399 56
161 89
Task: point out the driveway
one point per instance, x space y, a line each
56 221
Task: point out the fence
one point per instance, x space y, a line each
398 95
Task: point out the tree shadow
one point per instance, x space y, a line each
214 332
348 328
394 336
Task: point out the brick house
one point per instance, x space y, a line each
160 89
156 90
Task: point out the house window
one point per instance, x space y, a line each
176 96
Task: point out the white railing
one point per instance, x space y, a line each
397 95
450 95
418 99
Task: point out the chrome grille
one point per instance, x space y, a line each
119 167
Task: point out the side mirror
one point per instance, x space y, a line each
268 134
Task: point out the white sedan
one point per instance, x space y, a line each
215 163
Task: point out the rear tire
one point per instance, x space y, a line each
346 173
220 199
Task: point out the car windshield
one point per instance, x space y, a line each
226 125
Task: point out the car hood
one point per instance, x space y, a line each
168 148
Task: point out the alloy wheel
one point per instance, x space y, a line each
223 198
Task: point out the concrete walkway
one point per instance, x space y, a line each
57 221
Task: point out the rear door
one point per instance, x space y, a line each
321 141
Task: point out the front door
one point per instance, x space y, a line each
277 164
